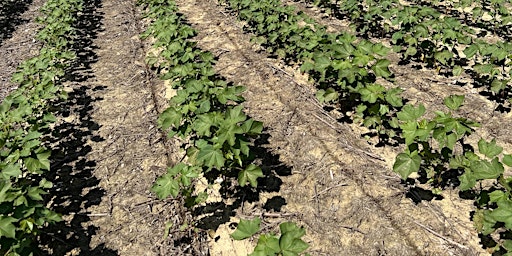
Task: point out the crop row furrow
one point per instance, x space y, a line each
207 114
25 118
423 34
344 70
491 15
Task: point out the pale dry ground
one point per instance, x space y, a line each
428 87
350 202
120 151
339 187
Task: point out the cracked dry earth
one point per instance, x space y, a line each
108 151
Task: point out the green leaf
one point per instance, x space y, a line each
498 85
489 149
380 49
28 147
167 184
483 222
443 56
290 240
444 139
170 117
372 92
327 95
411 40
204 107
291 246
343 50
503 213
471 51
11 170
187 174
484 69
307 66
321 62
243 146
396 36
381 68
18 77
202 125
411 51
454 102
457 70
20 200
228 132
394 122
410 113
210 156
393 97
405 164
461 126
35 193
467 181
409 131
7 228
361 60
176 169
5 186
292 228
268 245
235 115
246 228
251 174
44 159
32 135
497 195
507 244
486 170
507 159
383 109
35 165
252 127
45 183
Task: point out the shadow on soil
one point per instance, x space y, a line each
75 186
501 98
417 195
10 11
215 214
482 201
212 215
371 28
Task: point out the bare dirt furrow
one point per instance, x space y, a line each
111 150
132 151
349 201
17 38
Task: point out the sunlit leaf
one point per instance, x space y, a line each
405 164
246 228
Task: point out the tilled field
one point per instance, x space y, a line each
108 149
